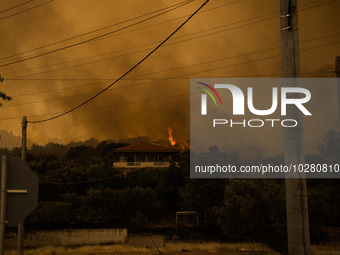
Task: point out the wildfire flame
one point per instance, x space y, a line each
184 146
171 139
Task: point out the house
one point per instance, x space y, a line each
145 155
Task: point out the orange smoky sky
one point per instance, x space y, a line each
56 54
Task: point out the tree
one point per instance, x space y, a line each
255 209
81 153
201 195
330 148
2 94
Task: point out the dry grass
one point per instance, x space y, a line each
88 250
124 249
231 249
328 248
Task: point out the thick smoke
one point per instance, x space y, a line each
141 105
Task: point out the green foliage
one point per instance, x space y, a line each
80 154
50 214
253 208
324 207
80 188
201 195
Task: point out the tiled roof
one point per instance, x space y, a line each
149 147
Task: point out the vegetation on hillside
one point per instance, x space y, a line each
80 188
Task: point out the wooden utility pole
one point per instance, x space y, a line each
337 71
3 198
20 241
296 188
337 66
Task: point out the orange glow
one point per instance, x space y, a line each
184 146
171 139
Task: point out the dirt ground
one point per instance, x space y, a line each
180 248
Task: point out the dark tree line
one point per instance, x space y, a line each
80 188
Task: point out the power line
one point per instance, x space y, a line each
122 34
307 8
135 77
104 54
215 60
148 26
324 71
105 37
91 39
230 24
213 33
126 73
158 79
242 55
107 106
178 77
96 30
167 21
236 22
169 44
274 56
155 99
11 8
166 97
143 46
147 100
28 9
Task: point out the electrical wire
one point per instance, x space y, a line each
242 55
144 100
126 73
122 33
260 51
28 9
154 99
307 49
207 62
89 40
149 100
159 23
181 76
328 70
16 6
62 63
96 30
169 44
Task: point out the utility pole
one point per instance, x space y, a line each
296 188
3 199
337 71
21 226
